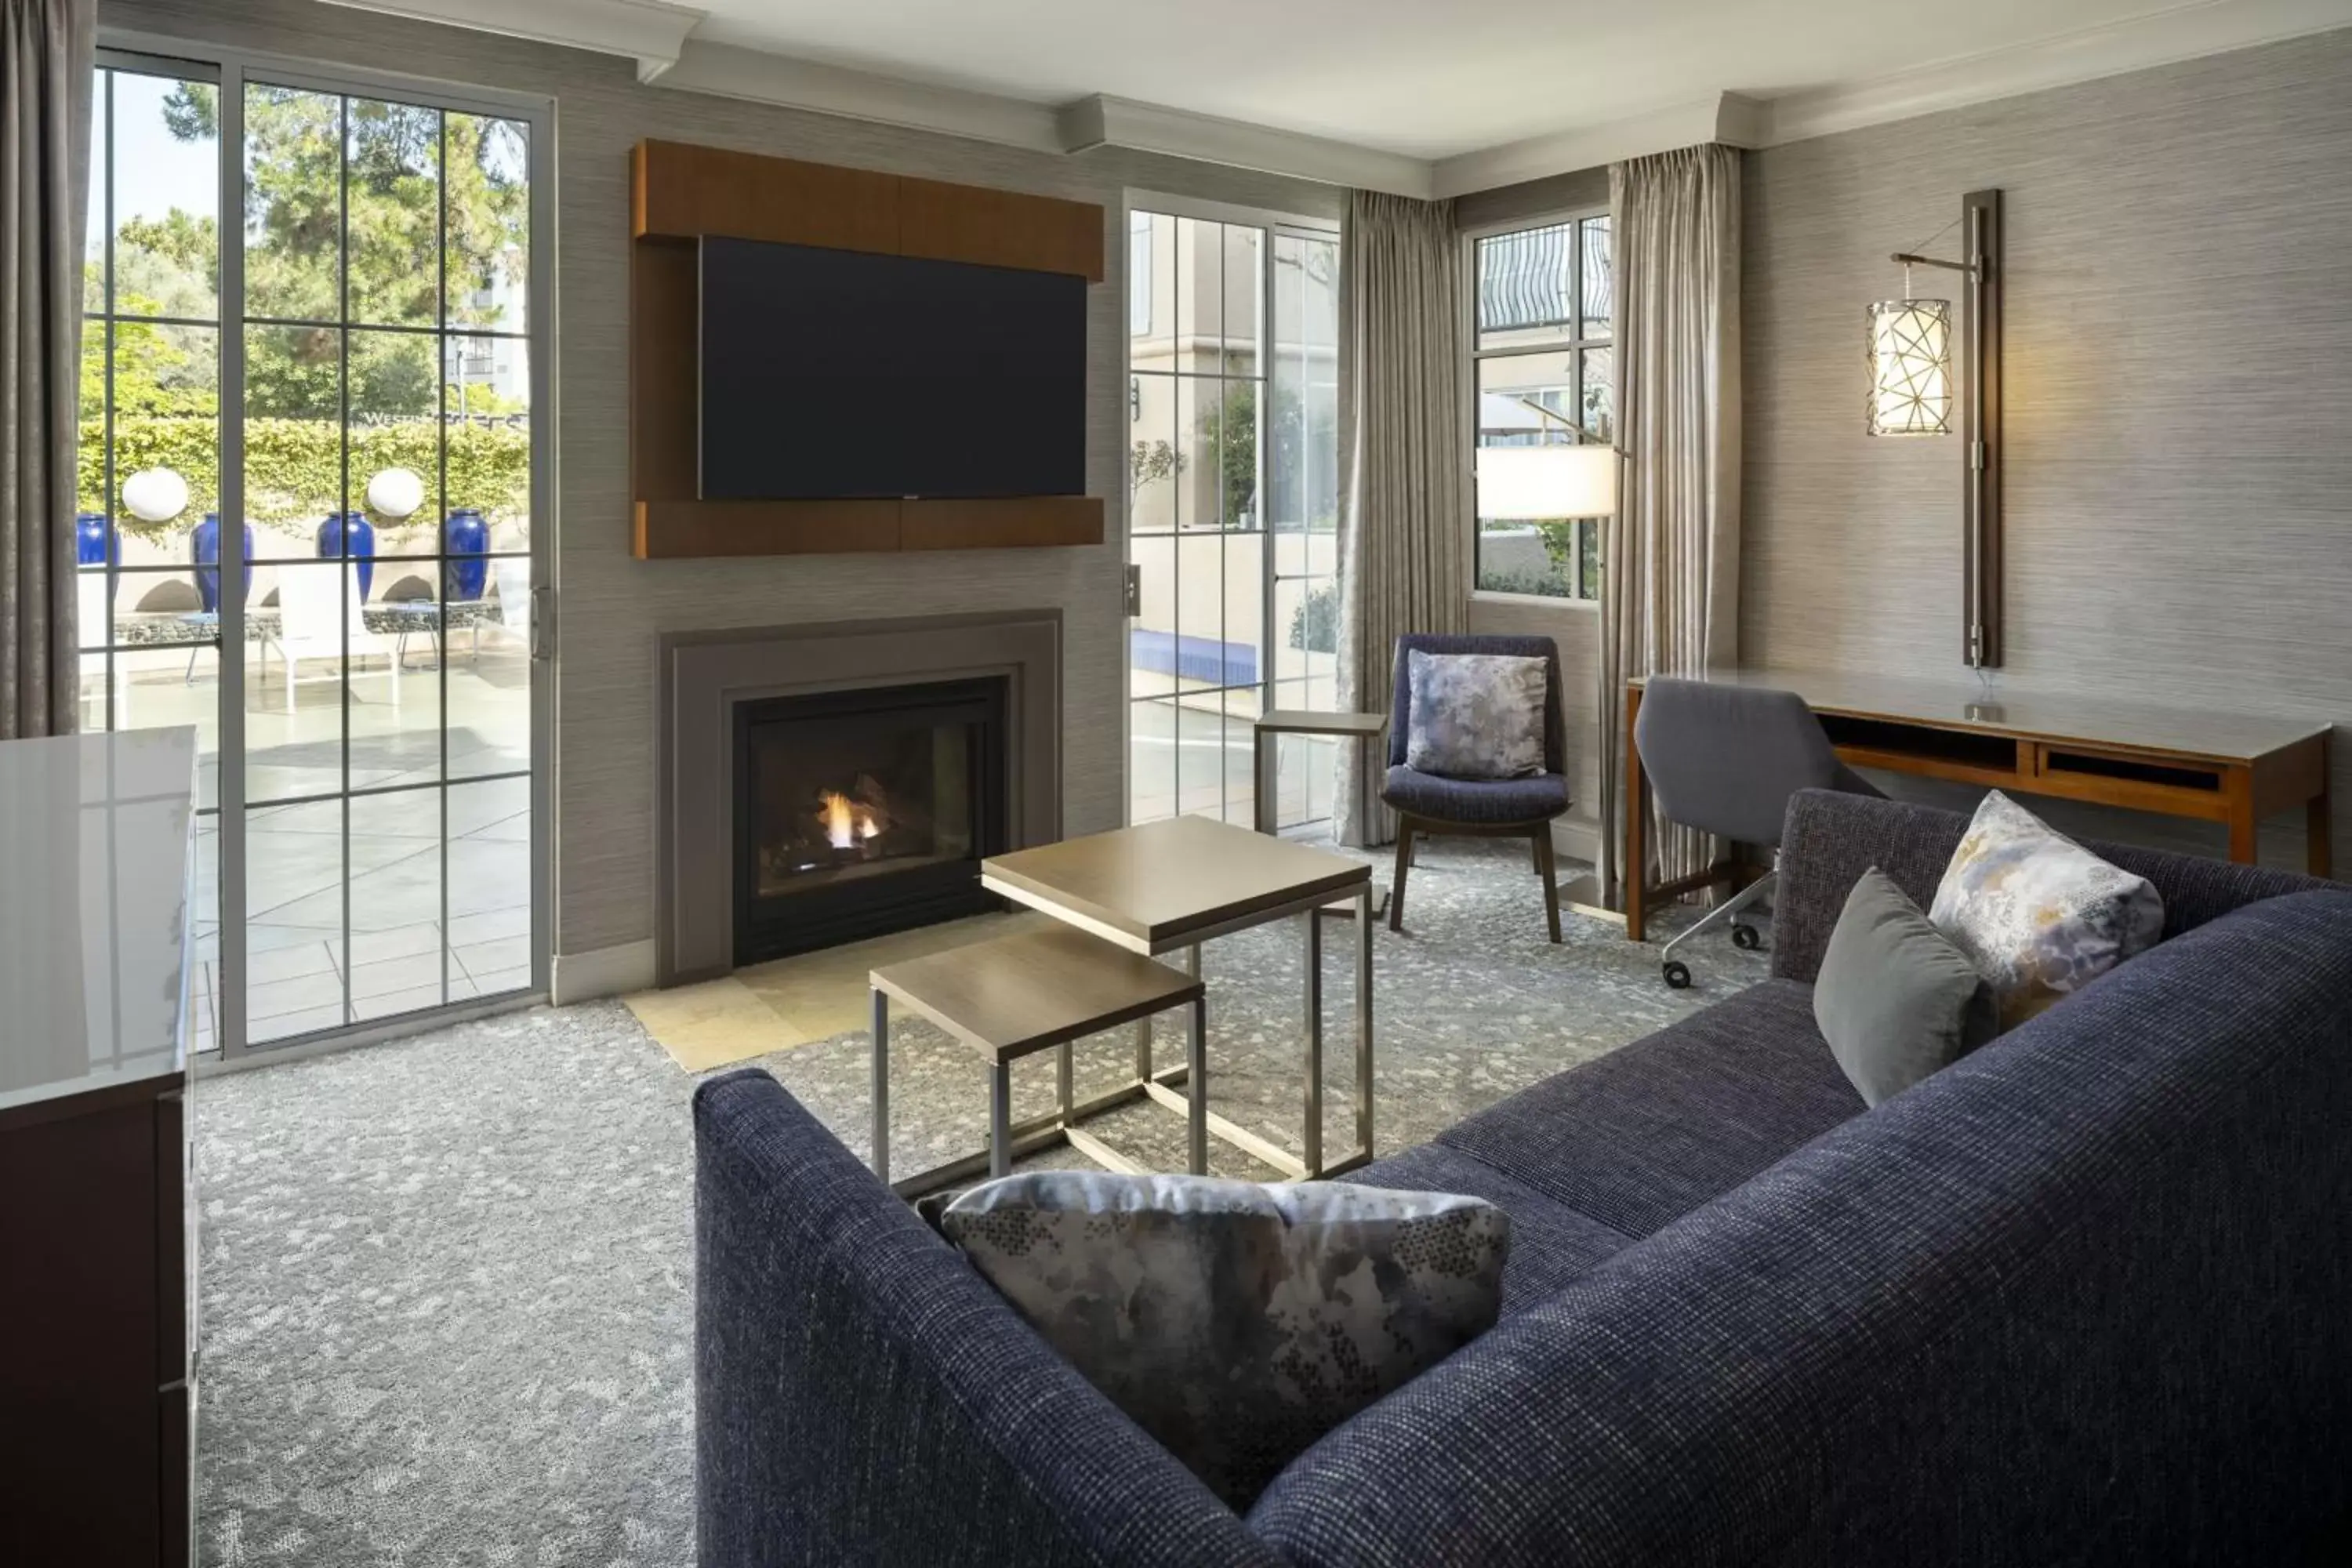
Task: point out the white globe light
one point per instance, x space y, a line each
155 495
396 493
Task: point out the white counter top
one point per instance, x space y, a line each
95 855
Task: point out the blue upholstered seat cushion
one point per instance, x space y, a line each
1475 715
1236 1323
1478 801
1643 1135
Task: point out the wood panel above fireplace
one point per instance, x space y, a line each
678 193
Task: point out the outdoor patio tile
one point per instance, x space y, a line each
276 998
468 930
288 1024
267 936
417 971
482 958
292 962
395 1003
500 980
400 941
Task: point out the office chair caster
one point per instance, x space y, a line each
1747 937
1677 973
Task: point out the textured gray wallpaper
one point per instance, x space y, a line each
613 606
2178 398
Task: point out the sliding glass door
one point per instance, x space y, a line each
1232 328
349 372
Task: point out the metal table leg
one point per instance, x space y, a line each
1196 1088
1364 1023
882 1085
1000 1120
1314 1130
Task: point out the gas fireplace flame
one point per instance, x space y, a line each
847 823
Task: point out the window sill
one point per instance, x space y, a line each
1547 601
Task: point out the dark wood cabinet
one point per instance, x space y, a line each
97 1385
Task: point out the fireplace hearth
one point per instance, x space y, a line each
866 811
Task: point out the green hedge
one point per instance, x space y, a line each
293 467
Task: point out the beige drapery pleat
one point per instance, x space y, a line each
1402 444
1670 591
45 58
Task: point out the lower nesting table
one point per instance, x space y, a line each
1020 995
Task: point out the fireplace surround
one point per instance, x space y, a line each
937 739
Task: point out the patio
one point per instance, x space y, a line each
297 890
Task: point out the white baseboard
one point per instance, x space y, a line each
603 972
1577 838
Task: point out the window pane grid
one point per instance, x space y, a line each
152 268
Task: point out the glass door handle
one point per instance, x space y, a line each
542 645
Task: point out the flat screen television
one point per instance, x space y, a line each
839 374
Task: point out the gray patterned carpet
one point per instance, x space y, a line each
446 1283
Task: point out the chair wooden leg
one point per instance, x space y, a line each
1536 851
1548 871
1404 864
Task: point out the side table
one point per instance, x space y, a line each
1363 727
1019 995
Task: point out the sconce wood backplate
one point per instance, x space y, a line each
1981 430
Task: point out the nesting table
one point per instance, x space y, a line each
1168 887
1020 995
1364 729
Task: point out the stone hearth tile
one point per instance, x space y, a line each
713 1024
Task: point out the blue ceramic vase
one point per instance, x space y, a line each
350 536
465 540
203 543
95 542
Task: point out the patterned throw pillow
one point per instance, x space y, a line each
1474 715
1235 1322
2039 915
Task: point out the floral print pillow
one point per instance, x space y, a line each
2039 915
1236 1323
1474 715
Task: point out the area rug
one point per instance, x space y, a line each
446 1283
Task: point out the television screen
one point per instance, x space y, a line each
839 374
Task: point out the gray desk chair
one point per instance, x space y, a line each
1725 759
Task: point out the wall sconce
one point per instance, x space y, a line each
1911 365
1911 394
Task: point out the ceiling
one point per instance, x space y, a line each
1424 79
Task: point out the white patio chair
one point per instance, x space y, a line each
513 578
309 628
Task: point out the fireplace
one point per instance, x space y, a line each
865 811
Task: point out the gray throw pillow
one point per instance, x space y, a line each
1896 998
1236 1323
1474 715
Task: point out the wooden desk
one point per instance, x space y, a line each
2231 768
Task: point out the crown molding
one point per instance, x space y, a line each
655 35
647 31
1723 117
1105 121
730 71
2140 43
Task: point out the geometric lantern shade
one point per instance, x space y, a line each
1547 482
1911 367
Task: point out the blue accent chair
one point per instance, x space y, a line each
1429 805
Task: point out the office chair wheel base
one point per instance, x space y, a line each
1747 937
1677 973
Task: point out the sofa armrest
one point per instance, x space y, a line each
1827 842
863 1396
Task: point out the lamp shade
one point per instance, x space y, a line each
1911 367
1546 481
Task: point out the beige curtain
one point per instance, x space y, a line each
45 91
1401 439
1670 595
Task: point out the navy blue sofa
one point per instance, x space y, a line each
2085 1296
